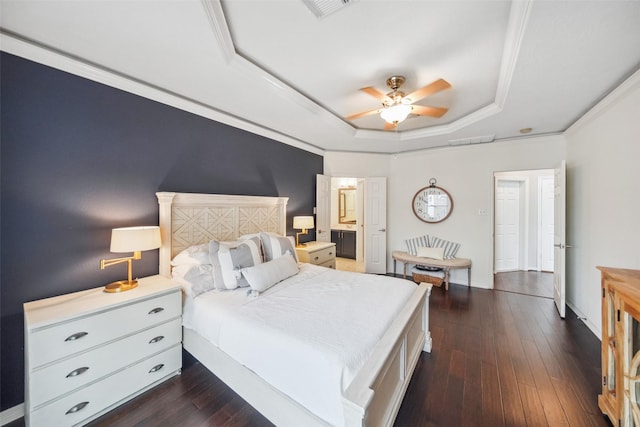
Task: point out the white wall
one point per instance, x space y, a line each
603 205
358 165
467 173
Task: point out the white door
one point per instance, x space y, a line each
507 225
323 208
375 225
547 196
559 238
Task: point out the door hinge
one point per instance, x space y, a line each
602 292
604 381
618 315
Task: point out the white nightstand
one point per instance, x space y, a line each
318 253
90 351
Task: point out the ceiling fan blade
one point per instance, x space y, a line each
375 93
389 126
357 116
429 89
428 111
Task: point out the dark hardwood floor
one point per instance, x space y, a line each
498 359
525 282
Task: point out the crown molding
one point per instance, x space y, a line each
218 23
607 102
45 55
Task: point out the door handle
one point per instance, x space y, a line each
561 246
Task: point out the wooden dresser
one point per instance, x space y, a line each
620 398
89 351
318 253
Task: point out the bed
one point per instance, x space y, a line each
371 394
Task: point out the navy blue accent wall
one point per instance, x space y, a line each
79 158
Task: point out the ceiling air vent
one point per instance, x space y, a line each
472 140
322 8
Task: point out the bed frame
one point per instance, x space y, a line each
374 396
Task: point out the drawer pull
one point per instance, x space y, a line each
156 339
77 372
76 336
156 310
80 406
330 253
156 368
316 258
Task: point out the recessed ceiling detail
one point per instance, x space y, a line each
515 30
291 76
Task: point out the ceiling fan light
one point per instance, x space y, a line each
396 113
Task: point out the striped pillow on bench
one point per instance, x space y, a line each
450 248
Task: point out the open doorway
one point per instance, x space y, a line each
523 230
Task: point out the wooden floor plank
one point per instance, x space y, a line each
492 414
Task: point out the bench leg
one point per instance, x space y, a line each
469 274
446 279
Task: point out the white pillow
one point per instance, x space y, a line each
263 276
193 255
274 246
434 253
195 279
228 258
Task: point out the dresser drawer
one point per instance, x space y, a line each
323 255
83 333
69 374
329 264
85 403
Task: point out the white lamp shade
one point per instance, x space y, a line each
396 113
302 222
135 239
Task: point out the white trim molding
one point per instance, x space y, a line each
47 56
9 415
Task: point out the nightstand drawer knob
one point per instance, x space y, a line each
77 408
76 336
156 339
156 368
156 310
77 372
316 258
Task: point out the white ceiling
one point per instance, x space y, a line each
273 67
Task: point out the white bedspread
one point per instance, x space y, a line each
307 336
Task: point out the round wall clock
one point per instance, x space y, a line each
432 204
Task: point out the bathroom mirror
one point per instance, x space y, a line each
347 205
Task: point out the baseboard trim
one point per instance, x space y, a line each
11 414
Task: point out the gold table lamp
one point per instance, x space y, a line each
130 239
302 223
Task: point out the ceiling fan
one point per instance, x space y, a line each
396 106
